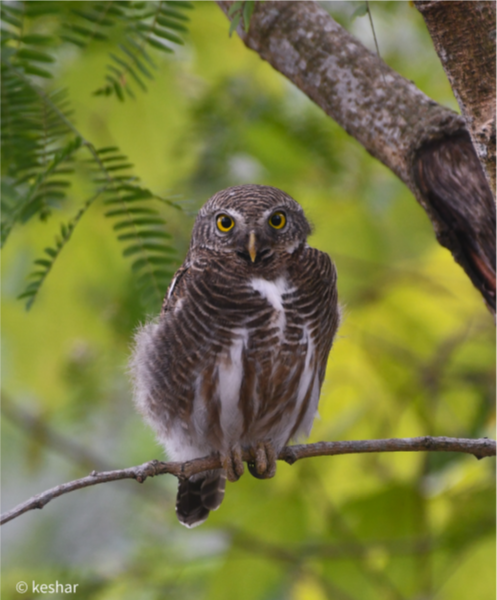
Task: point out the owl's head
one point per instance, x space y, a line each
253 221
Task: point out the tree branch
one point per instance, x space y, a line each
480 448
425 144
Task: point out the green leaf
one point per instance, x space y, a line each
165 22
147 246
112 158
360 11
174 14
235 7
129 69
32 70
98 19
109 10
72 40
162 33
119 167
34 286
234 23
136 60
11 19
137 223
108 149
144 234
85 32
158 275
131 211
43 262
248 9
129 198
28 54
37 39
36 274
158 45
27 294
140 49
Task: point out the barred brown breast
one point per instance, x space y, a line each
238 355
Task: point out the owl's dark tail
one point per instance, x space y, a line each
199 495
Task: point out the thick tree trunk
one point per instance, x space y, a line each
425 144
463 34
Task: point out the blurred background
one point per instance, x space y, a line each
415 354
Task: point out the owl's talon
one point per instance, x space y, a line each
264 464
233 464
271 460
260 459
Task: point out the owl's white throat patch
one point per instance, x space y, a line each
273 292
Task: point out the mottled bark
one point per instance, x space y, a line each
463 34
392 119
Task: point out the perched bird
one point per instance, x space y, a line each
237 357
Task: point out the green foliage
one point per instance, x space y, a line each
241 10
40 143
152 24
44 265
37 145
138 225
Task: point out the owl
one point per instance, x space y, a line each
237 357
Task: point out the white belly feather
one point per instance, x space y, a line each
230 375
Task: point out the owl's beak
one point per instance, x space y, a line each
251 246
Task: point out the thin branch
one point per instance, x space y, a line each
368 10
64 446
480 448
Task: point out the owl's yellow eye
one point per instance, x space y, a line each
277 220
225 223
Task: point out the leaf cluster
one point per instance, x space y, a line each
142 25
43 150
241 11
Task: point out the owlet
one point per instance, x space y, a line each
237 357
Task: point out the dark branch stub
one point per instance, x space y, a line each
456 192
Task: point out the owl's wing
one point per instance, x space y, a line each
173 291
319 301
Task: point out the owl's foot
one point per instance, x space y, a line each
233 463
263 465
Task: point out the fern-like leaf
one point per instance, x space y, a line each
141 26
241 11
40 143
36 143
44 265
140 227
